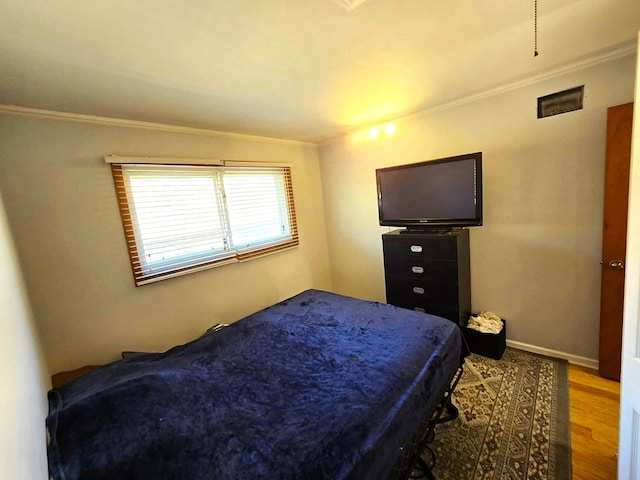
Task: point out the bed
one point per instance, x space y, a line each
319 386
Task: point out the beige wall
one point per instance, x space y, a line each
24 376
535 261
63 214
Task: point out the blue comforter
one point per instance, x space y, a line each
319 386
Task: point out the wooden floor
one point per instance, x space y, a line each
593 407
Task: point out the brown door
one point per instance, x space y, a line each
614 234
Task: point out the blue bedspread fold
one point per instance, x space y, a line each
319 386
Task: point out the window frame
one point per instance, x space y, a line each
233 255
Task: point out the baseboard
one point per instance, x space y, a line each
574 359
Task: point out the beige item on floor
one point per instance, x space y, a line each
485 322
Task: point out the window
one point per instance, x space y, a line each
181 218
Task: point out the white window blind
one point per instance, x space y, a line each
180 218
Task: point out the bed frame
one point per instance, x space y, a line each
410 459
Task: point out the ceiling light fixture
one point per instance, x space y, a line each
374 133
349 5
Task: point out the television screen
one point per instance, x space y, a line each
446 192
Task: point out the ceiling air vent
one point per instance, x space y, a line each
561 102
349 5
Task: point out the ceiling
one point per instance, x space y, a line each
307 70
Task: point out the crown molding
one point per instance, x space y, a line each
571 67
121 122
620 51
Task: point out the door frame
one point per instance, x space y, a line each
629 430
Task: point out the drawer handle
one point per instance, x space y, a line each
416 248
420 309
417 269
418 290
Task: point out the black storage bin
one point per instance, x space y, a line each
490 345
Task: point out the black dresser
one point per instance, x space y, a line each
429 272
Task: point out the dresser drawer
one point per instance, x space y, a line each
445 311
440 248
417 291
441 271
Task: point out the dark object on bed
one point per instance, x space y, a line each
60 378
490 345
320 386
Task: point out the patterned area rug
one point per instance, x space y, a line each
513 421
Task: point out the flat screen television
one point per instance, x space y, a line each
437 194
